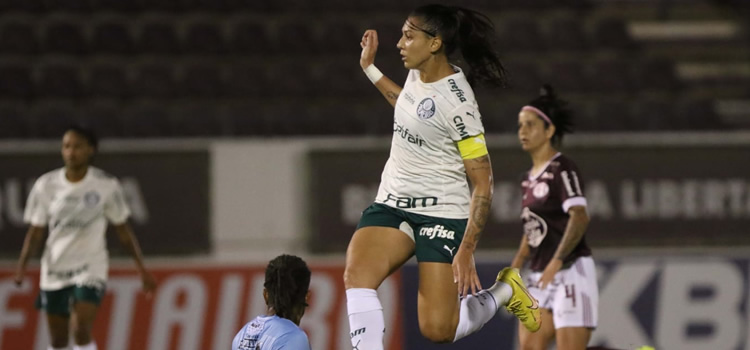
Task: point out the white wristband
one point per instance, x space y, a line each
373 73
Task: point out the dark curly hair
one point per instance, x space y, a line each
471 33
287 283
557 110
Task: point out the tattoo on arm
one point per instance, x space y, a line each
480 163
573 234
391 95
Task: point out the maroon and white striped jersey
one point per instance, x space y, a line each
547 197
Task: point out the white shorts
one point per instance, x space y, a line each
573 296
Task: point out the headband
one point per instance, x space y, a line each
538 112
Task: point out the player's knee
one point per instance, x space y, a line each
350 277
358 277
437 332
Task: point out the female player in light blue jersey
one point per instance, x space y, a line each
424 205
75 203
286 291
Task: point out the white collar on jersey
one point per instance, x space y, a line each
536 176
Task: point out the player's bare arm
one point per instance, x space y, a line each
130 242
386 86
479 173
522 254
34 237
574 231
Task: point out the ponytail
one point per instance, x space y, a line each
472 33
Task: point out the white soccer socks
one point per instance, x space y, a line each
366 320
89 346
477 310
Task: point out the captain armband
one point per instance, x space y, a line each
472 147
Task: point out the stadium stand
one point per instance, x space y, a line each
626 65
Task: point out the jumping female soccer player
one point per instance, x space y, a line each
286 292
424 206
554 216
75 203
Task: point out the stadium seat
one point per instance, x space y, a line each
204 38
612 33
155 79
696 114
18 38
340 36
112 38
103 117
203 80
158 37
108 80
12 115
49 119
67 5
341 77
247 79
204 5
523 76
16 80
296 36
250 37
244 119
566 34
567 76
118 5
521 33
64 37
145 119
292 77
652 115
611 114
21 5
611 76
655 74
196 119
252 6
60 79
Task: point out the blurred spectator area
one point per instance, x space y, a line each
156 68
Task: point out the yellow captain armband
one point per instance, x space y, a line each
472 147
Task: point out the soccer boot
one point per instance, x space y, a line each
521 303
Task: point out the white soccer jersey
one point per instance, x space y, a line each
76 215
425 173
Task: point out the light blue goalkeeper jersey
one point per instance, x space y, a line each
270 333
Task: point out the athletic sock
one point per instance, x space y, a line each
502 293
477 310
366 320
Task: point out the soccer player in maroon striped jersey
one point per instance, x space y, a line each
563 276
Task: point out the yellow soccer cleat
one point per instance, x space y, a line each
521 303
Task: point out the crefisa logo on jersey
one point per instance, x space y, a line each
454 88
426 108
91 198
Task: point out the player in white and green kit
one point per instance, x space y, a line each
75 203
424 205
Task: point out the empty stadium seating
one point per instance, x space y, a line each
155 68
